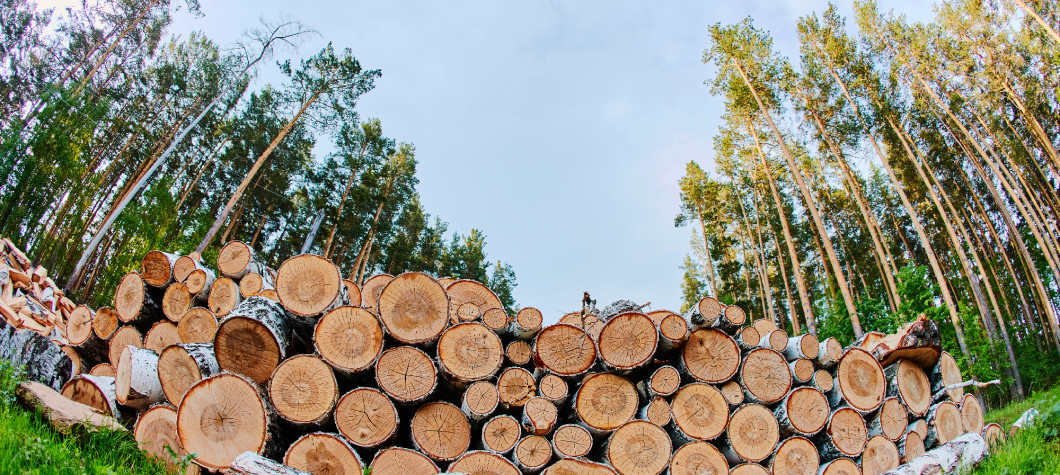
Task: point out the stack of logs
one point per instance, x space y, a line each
413 373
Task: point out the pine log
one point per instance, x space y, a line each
350 339
795 456
710 356
161 335
176 301
553 388
638 447
564 350
199 325
861 382
156 433
994 435
829 353
323 452
236 259
705 313
309 286
944 424
801 370
181 366
571 441
698 458
199 283
890 421
845 435
406 374
366 417
133 302
402 461
748 338
516 386
80 334
480 400
485 463
657 411
125 336
733 393
157 268
500 434
804 412
304 391
907 382
371 289
604 401
414 308
539 416
957 456
627 342
224 296
526 324
254 284
102 369
840 466
496 320
440 431
223 416
136 381
802 346
577 467
44 361
910 446
880 455
699 412
250 463
469 352
96 392
731 320
518 353
776 340
465 291
252 340
971 414
353 292
532 453
663 382
751 436
945 373
105 323
673 333
764 376
60 412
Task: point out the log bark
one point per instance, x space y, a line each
156 431
627 342
181 366
516 386
304 391
571 441
236 259
880 456
250 463
699 412
440 431
402 460
603 402
890 421
829 353
96 392
480 400
199 325
907 382
532 453
776 340
406 374
414 308
136 378
323 452
944 424
698 458
367 418
133 301
223 416
161 335
956 456
157 268
705 313
844 436
539 416
764 376
638 447
803 412
469 352
861 382
252 340
752 435
480 461
802 346
224 296
45 362
564 350
350 339
500 434
710 356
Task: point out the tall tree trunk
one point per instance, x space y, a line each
1041 21
114 44
787 288
762 261
841 280
710 258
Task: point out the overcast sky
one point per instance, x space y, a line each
560 129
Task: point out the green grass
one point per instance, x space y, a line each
1033 450
28 445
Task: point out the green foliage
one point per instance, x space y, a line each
1032 450
692 284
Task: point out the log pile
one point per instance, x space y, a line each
413 374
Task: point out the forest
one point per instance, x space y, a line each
118 137
894 168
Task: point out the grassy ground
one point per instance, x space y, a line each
28 445
1034 450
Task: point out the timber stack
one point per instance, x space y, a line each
412 374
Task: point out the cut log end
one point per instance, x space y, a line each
971 414
220 418
156 434
516 386
480 400
565 350
441 431
881 455
414 308
248 347
752 433
406 374
198 325
571 441
539 416
224 296
765 375
500 434
628 341
403 461
308 285
700 412
861 380
698 458
532 453
366 417
470 352
605 401
303 390
350 339
846 432
321 452
710 356
796 455
482 462
105 323
157 268
161 335
639 447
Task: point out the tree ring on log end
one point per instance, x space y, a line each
414 308
914 387
639 447
402 460
698 458
246 346
516 386
628 341
881 455
795 456
700 411
572 441
308 284
156 431
841 466
481 398
750 469
441 431
564 349
846 428
765 375
711 356
221 417
861 380
605 401
501 433
321 452
753 432
349 338
470 352
971 414
366 417
303 389
406 374
480 462
807 410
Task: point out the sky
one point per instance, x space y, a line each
559 129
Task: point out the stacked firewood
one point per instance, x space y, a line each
412 373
